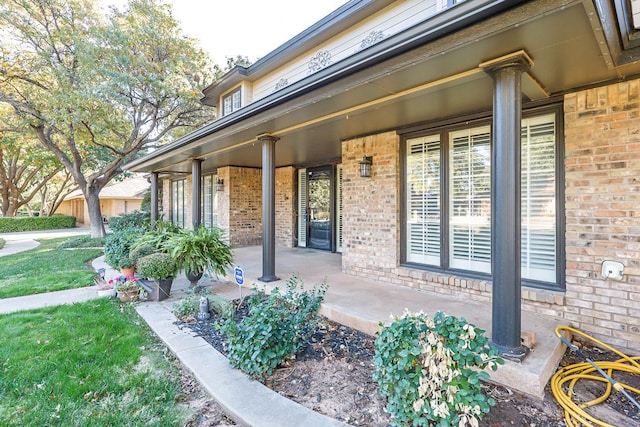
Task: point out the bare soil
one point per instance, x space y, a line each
333 376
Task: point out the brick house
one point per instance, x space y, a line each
501 138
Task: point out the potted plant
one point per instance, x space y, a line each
158 270
199 250
117 248
128 288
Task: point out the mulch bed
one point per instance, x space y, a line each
332 375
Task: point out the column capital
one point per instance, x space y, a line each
267 137
520 60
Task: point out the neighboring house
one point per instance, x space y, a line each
461 111
115 199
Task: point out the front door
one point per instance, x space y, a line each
319 207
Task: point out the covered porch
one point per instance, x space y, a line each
362 303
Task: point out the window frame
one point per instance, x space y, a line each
443 129
230 95
213 193
178 203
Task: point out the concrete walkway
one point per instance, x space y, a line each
356 302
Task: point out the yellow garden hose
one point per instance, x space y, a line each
574 413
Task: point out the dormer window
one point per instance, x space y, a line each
231 102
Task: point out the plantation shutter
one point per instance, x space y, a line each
339 208
423 200
538 198
470 199
302 208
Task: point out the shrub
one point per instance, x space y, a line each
277 326
2 242
83 242
53 222
139 251
430 370
156 266
136 220
117 247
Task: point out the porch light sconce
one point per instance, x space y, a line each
220 185
365 166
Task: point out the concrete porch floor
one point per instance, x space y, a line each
363 303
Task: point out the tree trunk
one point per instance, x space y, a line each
95 213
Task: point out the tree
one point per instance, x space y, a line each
26 168
98 90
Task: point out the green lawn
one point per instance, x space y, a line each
45 269
89 364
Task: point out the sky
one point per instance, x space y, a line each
251 28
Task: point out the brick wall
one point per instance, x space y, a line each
602 137
285 206
370 206
240 207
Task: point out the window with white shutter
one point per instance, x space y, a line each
470 199
302 208
448 173
423 200
539 198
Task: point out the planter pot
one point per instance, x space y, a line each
193 277
158 290
129 295
128 271
109 293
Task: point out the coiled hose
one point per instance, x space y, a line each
574 412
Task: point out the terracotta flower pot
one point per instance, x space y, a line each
128 271
129 295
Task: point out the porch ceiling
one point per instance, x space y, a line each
435 81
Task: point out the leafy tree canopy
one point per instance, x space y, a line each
98 89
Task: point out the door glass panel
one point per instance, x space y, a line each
319 213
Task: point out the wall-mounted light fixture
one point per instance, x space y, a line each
220 185
365 166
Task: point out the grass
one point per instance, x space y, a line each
89 364
45 269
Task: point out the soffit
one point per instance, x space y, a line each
432 82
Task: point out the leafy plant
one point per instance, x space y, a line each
156 266
199 250
133 220
83 242
430 370
277 326
117 247
158 236
189 306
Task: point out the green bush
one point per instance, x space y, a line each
156 266
117 247
83 242
2 242
277 326
136 220
430 370
139 251
53 222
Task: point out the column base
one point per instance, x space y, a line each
268 279
516 354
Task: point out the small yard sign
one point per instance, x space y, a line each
239 276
